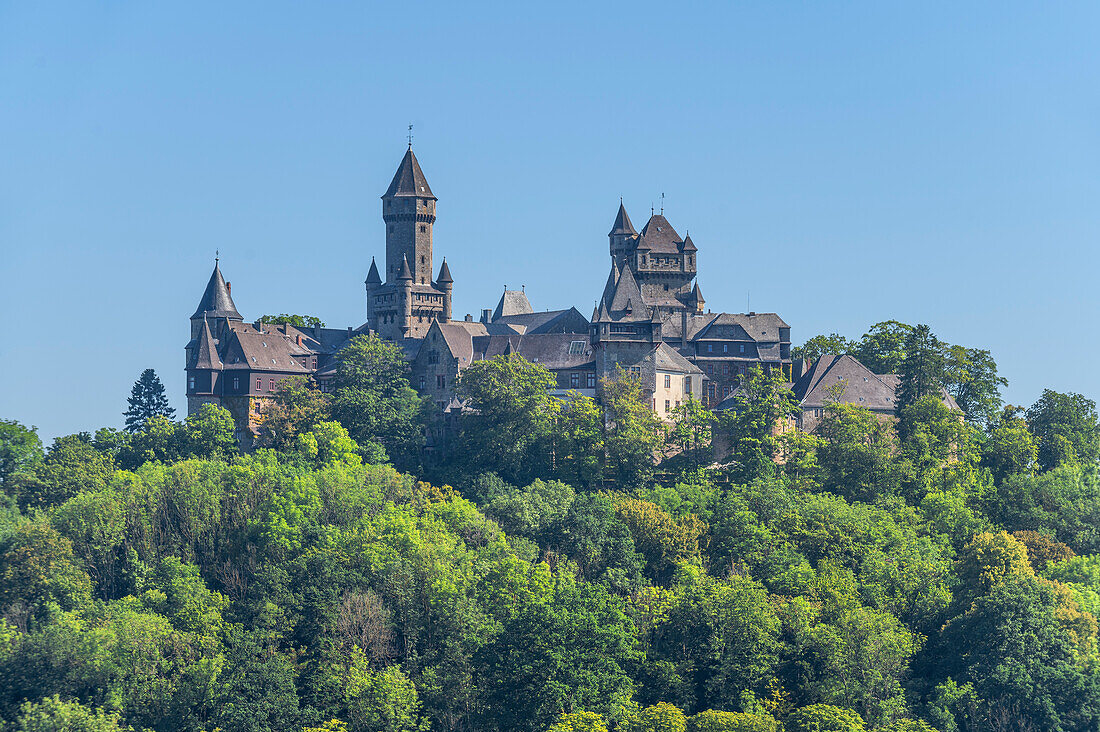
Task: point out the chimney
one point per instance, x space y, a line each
486 315
469 318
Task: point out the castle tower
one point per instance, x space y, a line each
407 303
622 237
408 208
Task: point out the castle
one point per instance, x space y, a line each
650 321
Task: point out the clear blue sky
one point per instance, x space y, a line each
844 162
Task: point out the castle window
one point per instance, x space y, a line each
710 348
574 379
423 228
236 383
422 380
576 348
422 256
687 384
441 381
271 384
591 379
191 383
666 404
725 348
259 384
742 348
668 381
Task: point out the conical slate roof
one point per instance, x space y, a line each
207 355
444 272
622 223
216 302
697 294
409 179
373 277
612 280
406 273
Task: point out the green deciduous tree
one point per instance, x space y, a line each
1066 427
822 345
54 715
147 399
298 321
20 450
634 433
509 420
72 465
761 404
374 401
579 450
296 405
882 347
823 718
971 378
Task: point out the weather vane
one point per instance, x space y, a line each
410 137
662 204
217 255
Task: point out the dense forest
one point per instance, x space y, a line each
561 565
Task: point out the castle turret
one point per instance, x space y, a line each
445 283
622 236
405 280
372 283
216 305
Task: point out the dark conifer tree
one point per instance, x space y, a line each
147 399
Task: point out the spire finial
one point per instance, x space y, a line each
662 204
410 137
217 255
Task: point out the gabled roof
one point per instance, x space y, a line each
549 321
206 357
512 302
831 374
552 350
372 276
216 301
409 179
259 350
757 326
622 223
665 358
659 236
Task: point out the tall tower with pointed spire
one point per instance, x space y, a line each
408 208
405 305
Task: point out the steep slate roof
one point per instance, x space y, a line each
758 327
566 321
628 296
206 357
216 301
405 273
512 302
622 223
256 350
372 275
861 387
665 358
444 272
659 236
409 179
612 280
551 350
